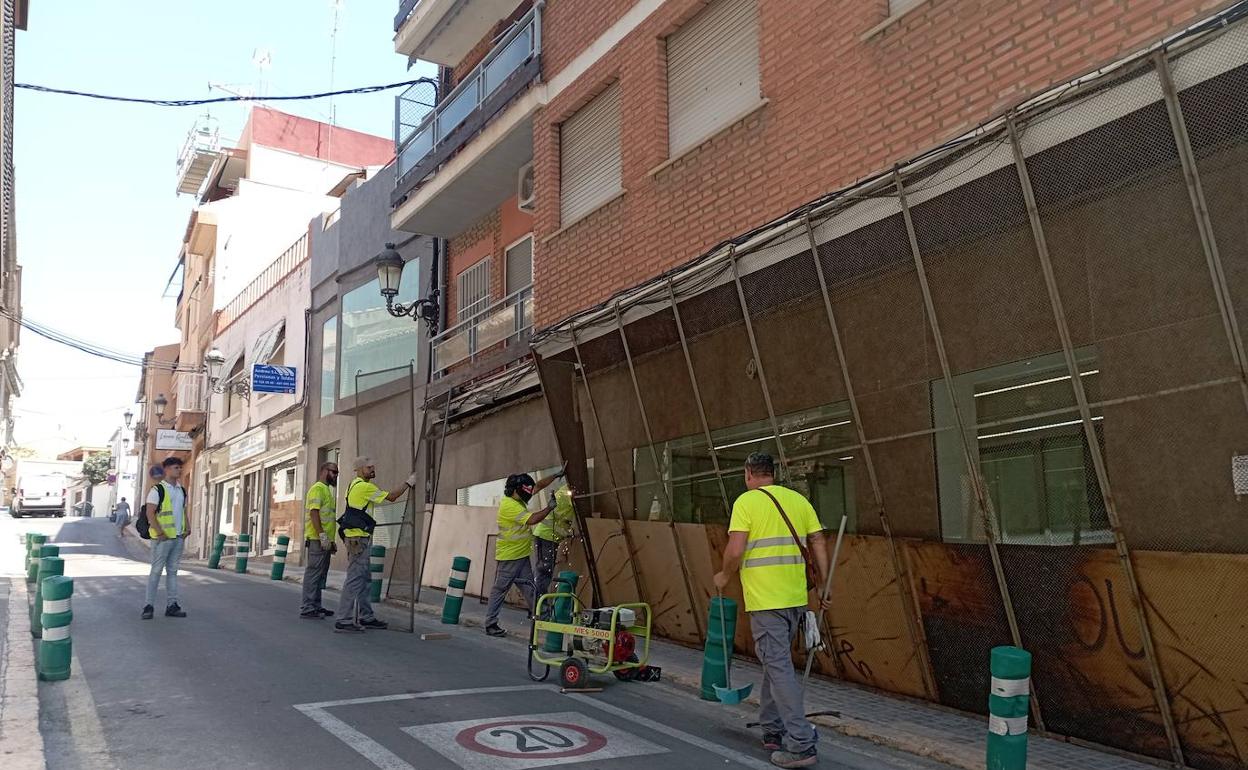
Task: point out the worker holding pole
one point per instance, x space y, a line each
318 539
515 544
768 538
355 612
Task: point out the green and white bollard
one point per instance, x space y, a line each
561 612
34 542
714 669
240 558
56 648
214 557
1008 702
279 558
376 565
48 566
455 586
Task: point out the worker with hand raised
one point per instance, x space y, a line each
515 544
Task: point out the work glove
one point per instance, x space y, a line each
324 538
411 481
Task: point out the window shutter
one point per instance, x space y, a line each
519 266
473 289
712 72
590 166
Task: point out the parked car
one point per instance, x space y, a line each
40 495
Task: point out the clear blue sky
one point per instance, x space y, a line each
99 223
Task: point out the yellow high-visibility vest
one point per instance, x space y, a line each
164 516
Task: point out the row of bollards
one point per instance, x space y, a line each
50 615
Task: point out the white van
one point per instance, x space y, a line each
40 495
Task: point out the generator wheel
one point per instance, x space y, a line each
573 673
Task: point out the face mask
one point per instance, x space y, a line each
526 493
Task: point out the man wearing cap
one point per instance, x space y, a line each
515 544
355 612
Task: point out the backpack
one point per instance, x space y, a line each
355 518
140 522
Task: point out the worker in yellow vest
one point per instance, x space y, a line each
318 539
549 534
169 522
768 535
355 612
515 544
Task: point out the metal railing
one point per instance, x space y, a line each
406 9
500 323
414 140
281 267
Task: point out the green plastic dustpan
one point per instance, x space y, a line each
728 694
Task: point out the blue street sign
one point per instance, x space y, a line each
272 379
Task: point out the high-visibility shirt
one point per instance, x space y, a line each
170 518
772 571
363 495
321 499
515 540
558 525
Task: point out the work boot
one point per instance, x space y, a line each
311 615
326 613
795 759
148 612
174 611
773 741
347 627
495 629
377 624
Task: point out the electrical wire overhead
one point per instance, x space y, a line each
93 349
223 99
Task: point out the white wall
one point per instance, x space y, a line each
269 165
286 301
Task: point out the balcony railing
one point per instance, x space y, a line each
421 143
406 8
189 389
294 256
500 324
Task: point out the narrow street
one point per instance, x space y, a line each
243 682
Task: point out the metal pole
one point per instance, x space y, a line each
758 360
658 471
697 398
414 580
432 502
606 453
914 620
1204 224
972 466
1094 446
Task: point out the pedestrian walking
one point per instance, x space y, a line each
773 534
356 530
318 539
121 517
514 546
169 523
548 534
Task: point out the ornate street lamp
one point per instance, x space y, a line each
389 274
160 403
214 360
128 416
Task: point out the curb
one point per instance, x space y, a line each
19 688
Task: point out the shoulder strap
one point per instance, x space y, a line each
800 545
160 495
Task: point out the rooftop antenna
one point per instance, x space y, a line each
337 6
263 59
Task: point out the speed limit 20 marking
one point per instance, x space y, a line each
528 741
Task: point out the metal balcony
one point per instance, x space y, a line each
424 139
506 322
446 31
198 155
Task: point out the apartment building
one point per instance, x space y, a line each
971 271
13 17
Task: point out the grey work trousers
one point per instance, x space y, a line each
517 572
314 573
547 554
783 710
355 587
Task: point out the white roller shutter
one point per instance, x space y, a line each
589 157
712 72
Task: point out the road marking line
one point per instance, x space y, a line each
363 745
672 732
423 695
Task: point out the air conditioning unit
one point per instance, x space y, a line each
525 189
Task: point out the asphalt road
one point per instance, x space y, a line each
244 682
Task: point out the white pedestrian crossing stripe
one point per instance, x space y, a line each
529 741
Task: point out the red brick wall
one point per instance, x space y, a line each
840 108
483 47
487 238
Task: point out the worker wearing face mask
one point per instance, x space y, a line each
515 544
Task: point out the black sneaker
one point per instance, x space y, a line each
495 629
377 624
311 615
773 741
326 613
347 627
148 612
795 759
174 611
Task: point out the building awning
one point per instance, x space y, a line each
268 343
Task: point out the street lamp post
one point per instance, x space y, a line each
214 360
389 273
160 403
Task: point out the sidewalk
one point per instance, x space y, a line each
907 725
